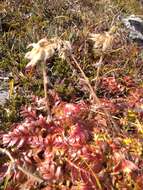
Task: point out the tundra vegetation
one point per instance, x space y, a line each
74 117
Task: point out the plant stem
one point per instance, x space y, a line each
98 71
95 98
45 83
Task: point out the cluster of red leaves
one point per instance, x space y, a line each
111 85
135 101
69 152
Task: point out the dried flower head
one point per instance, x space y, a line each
44 49
103 41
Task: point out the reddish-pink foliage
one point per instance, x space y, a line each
111 85
64 151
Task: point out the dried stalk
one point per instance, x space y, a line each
13 163
95 98
98 71
45 83
85 171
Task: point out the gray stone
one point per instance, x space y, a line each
135 26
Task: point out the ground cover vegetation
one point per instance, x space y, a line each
74 117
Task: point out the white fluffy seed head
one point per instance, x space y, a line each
44 49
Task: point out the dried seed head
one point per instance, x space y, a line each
103 41
44 49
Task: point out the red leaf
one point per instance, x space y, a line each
125 166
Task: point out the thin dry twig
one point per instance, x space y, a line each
95 98
45 83
98 71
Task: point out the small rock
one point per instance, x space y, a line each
135 26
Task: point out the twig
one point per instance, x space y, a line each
95 98
93 173
45 83
98 71
4 151
13 162
85 171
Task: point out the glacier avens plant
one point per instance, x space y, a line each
41 52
